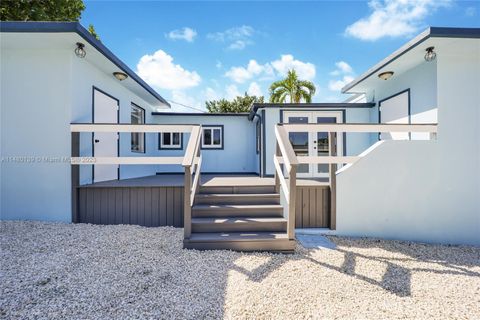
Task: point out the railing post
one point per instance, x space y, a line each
75 175
187 222
332 168
292 179
277 178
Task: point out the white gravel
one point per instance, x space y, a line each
59 271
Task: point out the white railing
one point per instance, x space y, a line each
191 161
286 155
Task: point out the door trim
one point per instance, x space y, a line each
93 121
337 114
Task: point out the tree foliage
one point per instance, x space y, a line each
237 105
92 31
41 10
292 87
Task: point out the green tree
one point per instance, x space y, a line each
237 105
92 31
41 10
292 87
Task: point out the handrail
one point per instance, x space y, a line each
359 127
285 147
284 151
191 161
286 155
127 127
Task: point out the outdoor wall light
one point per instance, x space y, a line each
79 51
385 75
430 55
120 76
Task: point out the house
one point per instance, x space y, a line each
399 159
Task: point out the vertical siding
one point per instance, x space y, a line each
312 207
148 206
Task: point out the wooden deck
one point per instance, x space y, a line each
208 180
154 201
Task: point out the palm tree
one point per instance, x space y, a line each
292 87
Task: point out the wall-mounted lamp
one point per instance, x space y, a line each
120 76
430 55
80 51
385 75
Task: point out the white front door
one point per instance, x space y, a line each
313 143
105 144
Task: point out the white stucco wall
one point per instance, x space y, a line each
238 154
41 94
35 109
423 190
422 82
84 76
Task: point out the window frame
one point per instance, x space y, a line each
144 148
161 146
212 146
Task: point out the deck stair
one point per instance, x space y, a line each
241 218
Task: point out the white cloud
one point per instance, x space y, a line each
211 94
470 11
341 68
393 18
254 89
242 74
219 64
305 70
232 92
337 85
237 38
270 70
160 71
187 34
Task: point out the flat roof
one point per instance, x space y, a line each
76 27
431 32
321 105
241 114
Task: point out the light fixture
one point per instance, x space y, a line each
385 75
430 55
120 76
79 51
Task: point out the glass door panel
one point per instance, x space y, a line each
300 142
322 144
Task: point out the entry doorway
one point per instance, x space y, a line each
105 144
313 143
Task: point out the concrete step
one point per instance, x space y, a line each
244 189
237 210
239 198
241 241
239 224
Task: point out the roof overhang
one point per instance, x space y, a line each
319 106
66 35
410 55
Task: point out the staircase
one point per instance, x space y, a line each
241 218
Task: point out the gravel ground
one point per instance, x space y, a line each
82 271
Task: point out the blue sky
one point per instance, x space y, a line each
196 51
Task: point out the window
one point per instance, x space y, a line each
138 138
212 137
170 140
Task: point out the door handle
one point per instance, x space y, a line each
97 141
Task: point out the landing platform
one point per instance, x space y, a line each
208 180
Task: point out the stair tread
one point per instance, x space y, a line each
237 206
239 219
237 195
237 236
